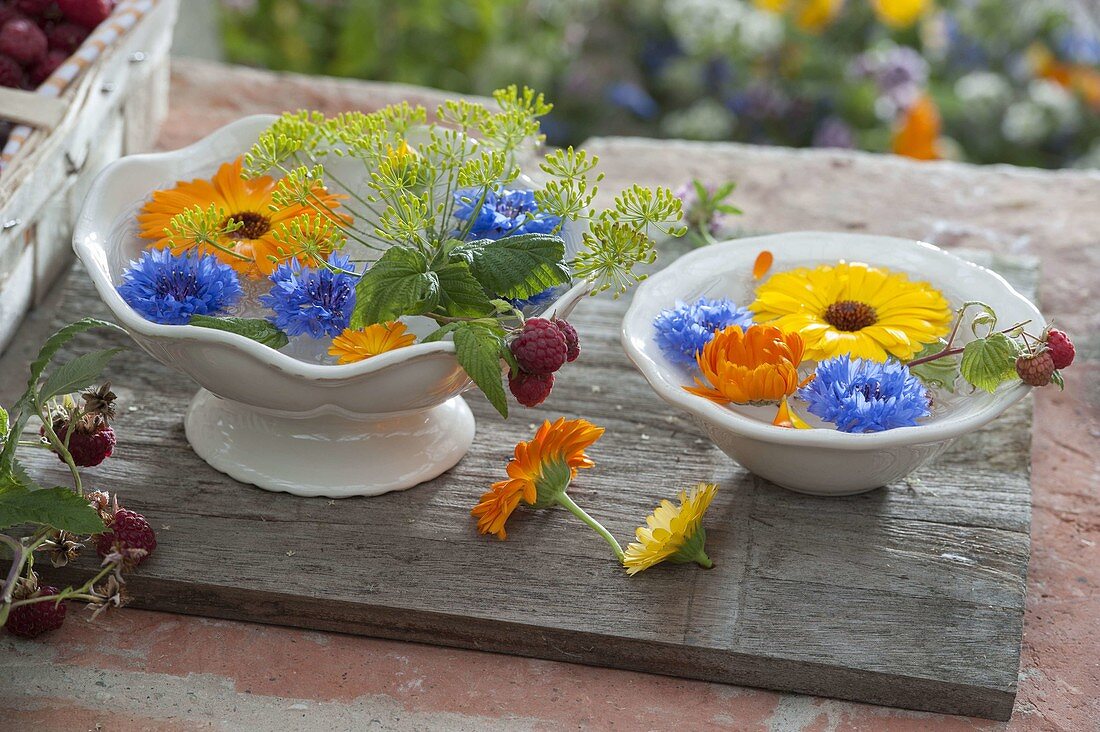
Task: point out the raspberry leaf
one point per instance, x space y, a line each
399 283
256 329
57 507
517 266
461 295
987 362
479 348
941 372
76 374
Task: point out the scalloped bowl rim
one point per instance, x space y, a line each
654 370
89 235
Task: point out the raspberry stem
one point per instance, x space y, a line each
69 593
60 448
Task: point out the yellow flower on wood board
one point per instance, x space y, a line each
673 533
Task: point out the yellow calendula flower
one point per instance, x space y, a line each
899 13
812 16
673 533
854 309
539 472
756 365
356 345
247 202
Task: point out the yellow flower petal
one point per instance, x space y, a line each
672 533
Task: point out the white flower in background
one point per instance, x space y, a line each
760 32
708 27
984 89
704 120
1057 101
1025 123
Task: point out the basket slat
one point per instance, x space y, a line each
31 109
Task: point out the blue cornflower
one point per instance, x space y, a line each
504 213
169 288
682 331
860 395
316 302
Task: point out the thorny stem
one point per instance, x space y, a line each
61 450
948 351
18 557
70 594
564 500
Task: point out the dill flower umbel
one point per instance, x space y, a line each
539 472
356 345
756 365
169 288
315 302
853 309
859 395
504 213
673 533
684 330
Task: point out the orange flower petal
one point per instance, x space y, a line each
762 264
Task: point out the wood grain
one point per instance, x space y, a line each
911 595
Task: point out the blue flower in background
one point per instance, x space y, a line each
1079 47
539 300
859 395
632 97
168 288
684 330
315 302
504 213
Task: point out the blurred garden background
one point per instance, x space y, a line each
984 81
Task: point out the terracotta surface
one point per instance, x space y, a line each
152 671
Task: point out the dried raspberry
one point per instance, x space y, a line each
91 442
88 13
540 347
33 7
66 37
11 73
23 41
30 621
572 342
47 66
1061 348
127 531
530 390
1036 368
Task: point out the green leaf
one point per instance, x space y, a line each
3 424
57 507
1056 378
256 329
438 333
939 373
399 283
76 374
479 351
461 295
517 266
987 362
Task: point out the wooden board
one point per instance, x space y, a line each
910 596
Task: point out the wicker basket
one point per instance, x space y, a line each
111 105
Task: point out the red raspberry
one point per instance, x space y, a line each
23 41
1036 368
1061 348
11 73
30 621
33 7
540 347
47 66
91 442
572 342
88 13
9 12
66 37
127 530
530 390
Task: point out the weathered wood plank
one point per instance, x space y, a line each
910 596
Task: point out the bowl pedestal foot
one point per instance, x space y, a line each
330 455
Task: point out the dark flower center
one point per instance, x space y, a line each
850 315
872 390
253 225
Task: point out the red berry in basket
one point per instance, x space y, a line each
66 37
88 13
530 390
91 442
23 41
1061 348
30 621
9 12
126 532
1035 368
11 73
572 342
34 8
540 348
47 66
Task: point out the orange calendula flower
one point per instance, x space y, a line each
538 473
245 202
919 133
356 345
750 366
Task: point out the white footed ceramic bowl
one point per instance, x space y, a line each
266 417
820 461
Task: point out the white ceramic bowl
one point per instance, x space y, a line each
386 423
819 461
